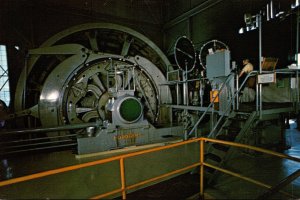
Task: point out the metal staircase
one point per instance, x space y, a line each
231 126
236 127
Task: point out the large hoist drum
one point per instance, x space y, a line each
86 72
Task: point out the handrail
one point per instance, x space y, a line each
229 103
277 187
281 71
258 149
210 105
252 73
258 100
89 164
121 159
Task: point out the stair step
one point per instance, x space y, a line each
212 162
232 128
218 152
233 135
236 120
213 157
221 147
239 117
226 137
208 172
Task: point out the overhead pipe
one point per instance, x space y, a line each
198 9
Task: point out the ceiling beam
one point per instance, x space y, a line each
198 9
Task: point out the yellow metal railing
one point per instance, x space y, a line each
124 188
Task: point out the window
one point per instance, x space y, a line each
4 83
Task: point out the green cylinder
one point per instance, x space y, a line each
130 110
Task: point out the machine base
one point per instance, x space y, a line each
128 137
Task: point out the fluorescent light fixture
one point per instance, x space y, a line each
241 31
280 13
271 9
295 5
252 27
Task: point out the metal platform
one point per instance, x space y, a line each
273 106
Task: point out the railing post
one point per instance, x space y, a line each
297 91
122 173
209 106
237 91
201 167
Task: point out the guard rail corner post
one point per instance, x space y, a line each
201 167
123 181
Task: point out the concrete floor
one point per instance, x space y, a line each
85 183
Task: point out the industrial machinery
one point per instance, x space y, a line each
98 85
103 86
